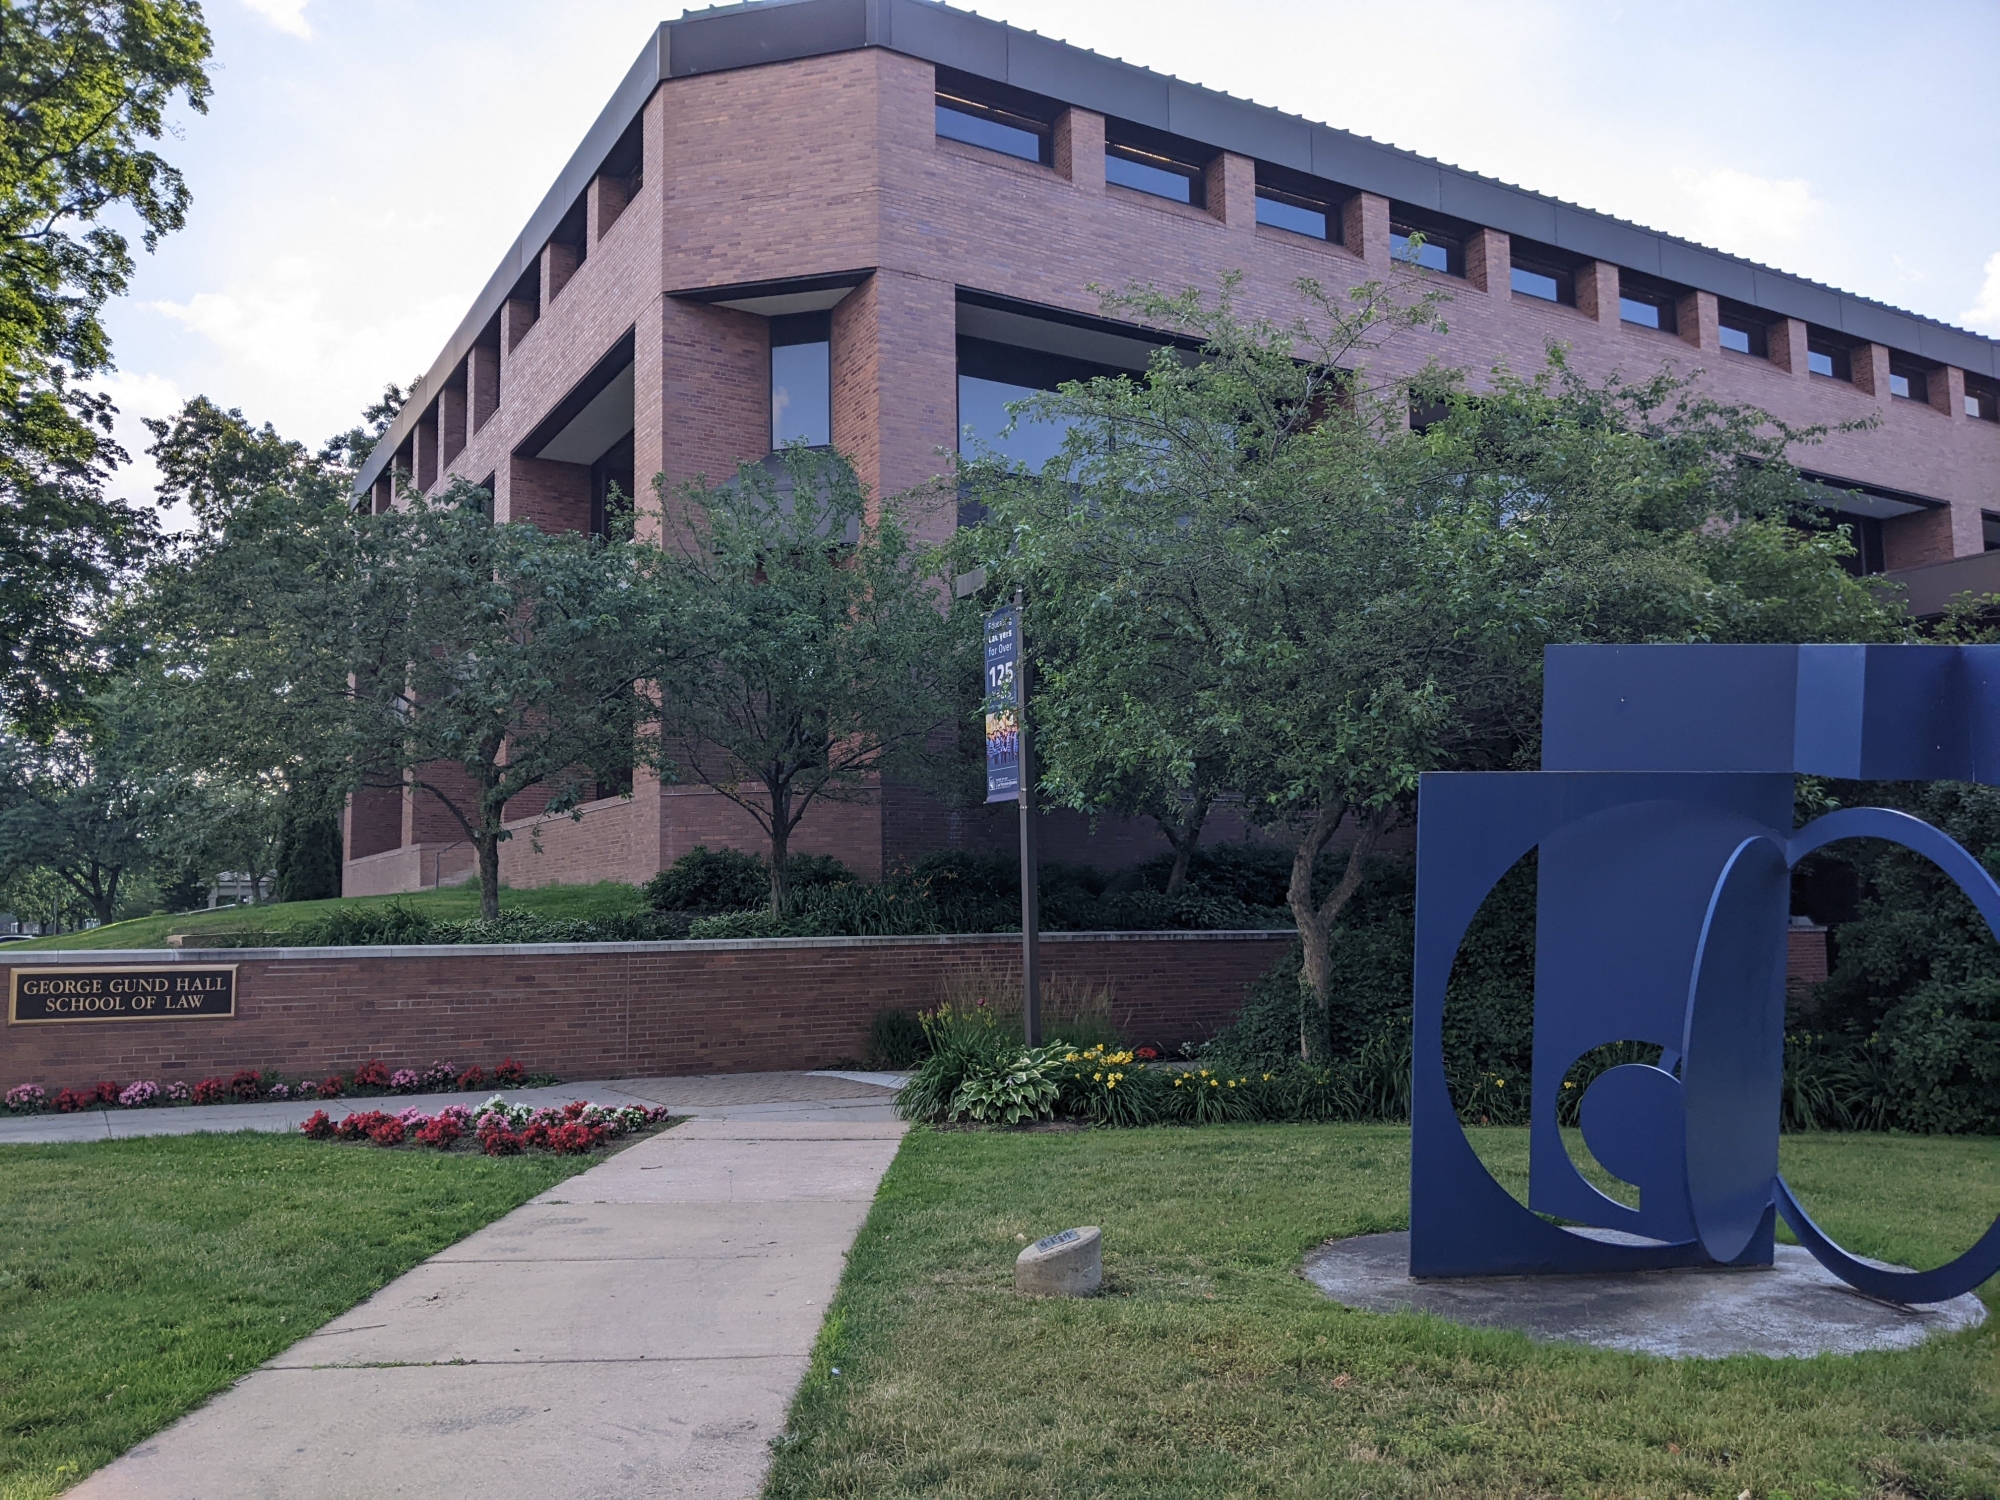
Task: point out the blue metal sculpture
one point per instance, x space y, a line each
1663 820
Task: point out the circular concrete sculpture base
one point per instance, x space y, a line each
1793 1310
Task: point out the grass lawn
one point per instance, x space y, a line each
606 898
1210 1368
138 1277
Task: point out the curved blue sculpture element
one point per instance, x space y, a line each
1661 823
1733 1055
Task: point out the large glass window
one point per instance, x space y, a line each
1295 214
1908 381
802 380
992 375
1982 401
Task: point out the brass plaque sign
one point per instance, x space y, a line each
124 993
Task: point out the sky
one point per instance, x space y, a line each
364 164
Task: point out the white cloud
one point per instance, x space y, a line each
1764 218
1985 313
288 337
287 15
139 394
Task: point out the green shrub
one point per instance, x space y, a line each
896 1040
961 1041
705 879
1010 1089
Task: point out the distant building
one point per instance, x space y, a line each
873 222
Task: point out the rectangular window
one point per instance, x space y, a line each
1543 272
1293 214
1299 203
1423 240
1644 314
1155 172
1545 283
1982 401
802 380
1828 360
1743 334
993 128
1156 163
1909 382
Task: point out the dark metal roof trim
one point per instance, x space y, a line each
782 286
769 31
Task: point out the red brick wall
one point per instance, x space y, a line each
617 1010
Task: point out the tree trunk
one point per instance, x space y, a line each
487 843
1184 837
1315 919
781 843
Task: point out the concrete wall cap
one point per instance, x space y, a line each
80 956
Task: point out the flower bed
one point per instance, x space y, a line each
978 1071
250 1086
496 1127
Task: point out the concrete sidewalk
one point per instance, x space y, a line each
638 1330
724 1095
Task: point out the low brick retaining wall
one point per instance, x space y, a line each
608 1010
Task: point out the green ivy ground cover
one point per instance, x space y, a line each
139 1277
1210 1368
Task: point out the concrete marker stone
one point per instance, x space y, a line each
1069 1264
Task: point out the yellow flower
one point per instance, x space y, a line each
1177 1083
1096 1077
1267 1078
1232 1083
1212 1083
1499 1083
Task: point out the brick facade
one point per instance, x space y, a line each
829 165
614 1010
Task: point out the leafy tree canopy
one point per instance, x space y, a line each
1251 572
814 660
84 88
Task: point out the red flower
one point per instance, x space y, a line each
332 1088
388 1131
495 1139
440 1132
1145 1054
104 1093
362 1123
71 1101
247 1085
373 1074
211 1091
471 1079
510 1074
318 1127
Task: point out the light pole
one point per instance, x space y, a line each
1031 958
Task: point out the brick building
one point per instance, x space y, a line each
872 222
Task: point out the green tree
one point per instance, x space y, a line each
816 662
84 87
1350 602
485 661
81 807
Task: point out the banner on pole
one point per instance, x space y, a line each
1003 706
